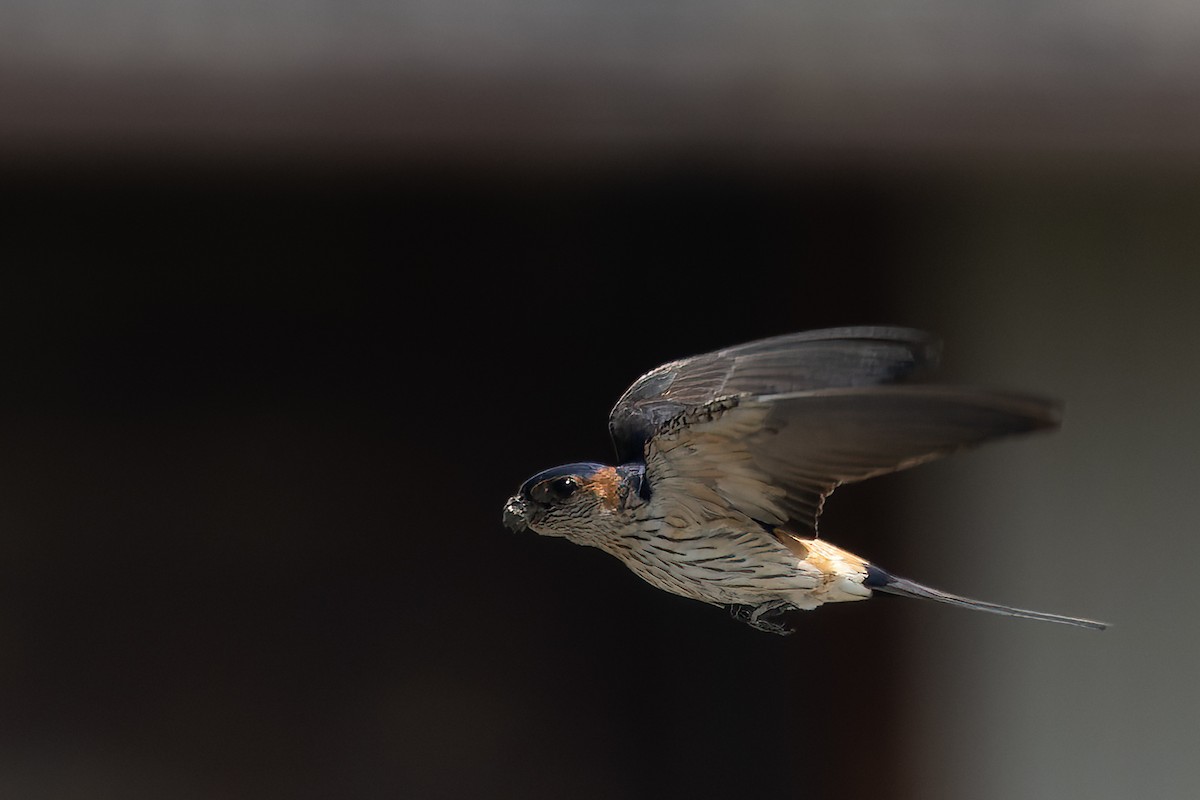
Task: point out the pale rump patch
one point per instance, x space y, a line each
841 572
605 484
792 542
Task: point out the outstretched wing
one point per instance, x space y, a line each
776 455
836 357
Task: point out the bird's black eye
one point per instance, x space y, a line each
555 489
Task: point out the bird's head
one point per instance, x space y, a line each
583 502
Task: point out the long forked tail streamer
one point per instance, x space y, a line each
882 581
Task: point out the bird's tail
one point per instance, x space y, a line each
881 581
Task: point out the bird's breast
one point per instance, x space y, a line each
722 562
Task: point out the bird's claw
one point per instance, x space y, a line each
763 617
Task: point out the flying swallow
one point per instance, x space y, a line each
725 460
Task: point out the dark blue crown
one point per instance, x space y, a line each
582 468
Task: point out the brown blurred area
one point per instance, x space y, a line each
294 296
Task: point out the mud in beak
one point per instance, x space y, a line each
514 515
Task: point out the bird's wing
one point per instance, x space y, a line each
776 457
798 362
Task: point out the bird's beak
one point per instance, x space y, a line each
514 515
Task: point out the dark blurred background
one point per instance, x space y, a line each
293 296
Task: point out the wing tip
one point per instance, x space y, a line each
926 347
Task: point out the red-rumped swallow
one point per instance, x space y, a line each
726 459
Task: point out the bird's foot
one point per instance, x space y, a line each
764 617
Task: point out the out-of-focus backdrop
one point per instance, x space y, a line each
294 295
